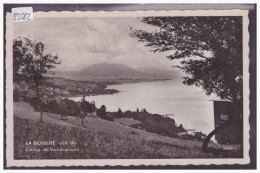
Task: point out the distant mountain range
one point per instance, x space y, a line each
106 71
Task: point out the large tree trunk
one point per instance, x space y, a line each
219 128
38 102
206 141
238 111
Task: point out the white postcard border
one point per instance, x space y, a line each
125 162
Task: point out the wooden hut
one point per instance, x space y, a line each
228 115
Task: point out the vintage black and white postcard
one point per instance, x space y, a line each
96 88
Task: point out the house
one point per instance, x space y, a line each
45 99
48 98
228 115
92 114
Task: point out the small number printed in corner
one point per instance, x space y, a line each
22 14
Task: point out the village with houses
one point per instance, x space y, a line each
60 88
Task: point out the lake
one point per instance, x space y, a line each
189 104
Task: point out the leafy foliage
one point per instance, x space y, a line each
86 107
209 48
71 106
119 113
30 60
102 111
30 63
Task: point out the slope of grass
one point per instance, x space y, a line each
94 145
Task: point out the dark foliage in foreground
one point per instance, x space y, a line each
209 48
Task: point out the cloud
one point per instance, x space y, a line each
100 36
81 42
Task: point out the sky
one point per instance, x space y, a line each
81 42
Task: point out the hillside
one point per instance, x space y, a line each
106 71
99 139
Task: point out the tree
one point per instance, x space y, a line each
119 113
144 110
102 111
72 107
63 109
209 50
85 106
31 62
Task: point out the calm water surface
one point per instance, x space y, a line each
189 104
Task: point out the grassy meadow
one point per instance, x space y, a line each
100 145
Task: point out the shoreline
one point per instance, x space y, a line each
118 82
126 81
